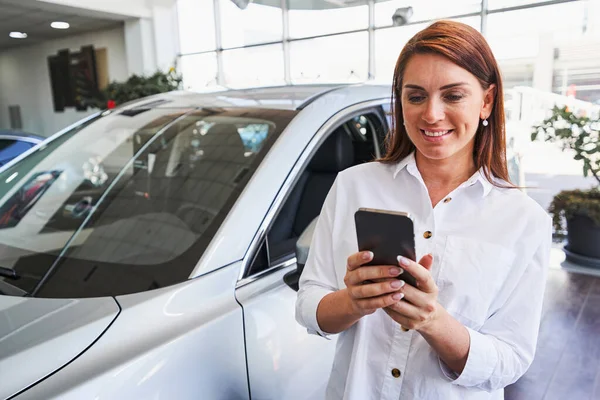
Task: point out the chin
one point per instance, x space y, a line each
436 154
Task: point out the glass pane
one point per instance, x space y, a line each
196 26
254 66
255 24
341 58
11 149
474 22
321 21
530 26
424 10
129 203
496 4
199 72
388 45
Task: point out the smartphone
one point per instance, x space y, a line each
388 234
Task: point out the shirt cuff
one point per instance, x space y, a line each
312 298
481 362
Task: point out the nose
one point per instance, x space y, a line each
433 112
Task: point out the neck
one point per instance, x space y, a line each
445 174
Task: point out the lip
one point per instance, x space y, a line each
436 139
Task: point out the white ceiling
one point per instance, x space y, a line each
34 18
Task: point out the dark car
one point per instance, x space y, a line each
13 143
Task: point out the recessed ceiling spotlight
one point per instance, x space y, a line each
18 35
60 25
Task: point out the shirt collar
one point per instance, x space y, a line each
410 163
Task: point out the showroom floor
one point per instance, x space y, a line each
567 363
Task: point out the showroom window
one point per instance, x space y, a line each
199 71
322 20
424 10
255 24
356 41
339 58
196 26
254 66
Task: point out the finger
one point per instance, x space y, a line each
371 272
415 296
373 303
427 261
424 280
374 289
357 259
378 280
399 318
407 310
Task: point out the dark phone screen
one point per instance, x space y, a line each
388 235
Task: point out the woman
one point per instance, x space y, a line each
474 316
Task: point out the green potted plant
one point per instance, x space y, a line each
137 87
576 211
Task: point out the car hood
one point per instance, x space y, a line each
39 336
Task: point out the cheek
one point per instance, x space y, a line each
467 116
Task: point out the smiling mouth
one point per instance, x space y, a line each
434 134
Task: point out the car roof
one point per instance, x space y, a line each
290 97
25 136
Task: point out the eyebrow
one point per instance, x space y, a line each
451 85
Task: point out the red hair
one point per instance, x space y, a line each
467 48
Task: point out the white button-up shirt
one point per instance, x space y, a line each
491 250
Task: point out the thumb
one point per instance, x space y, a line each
427 261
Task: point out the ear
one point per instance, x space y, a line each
488 102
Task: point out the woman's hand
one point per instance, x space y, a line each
371 287
419 307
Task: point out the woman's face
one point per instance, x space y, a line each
442 105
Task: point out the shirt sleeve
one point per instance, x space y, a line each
318 278
502 350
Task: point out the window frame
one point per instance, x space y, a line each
260 239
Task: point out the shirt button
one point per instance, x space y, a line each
396 373
427 234
447 199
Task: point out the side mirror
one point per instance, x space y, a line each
302 248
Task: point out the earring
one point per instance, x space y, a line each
485 123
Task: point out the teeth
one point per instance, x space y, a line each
441 133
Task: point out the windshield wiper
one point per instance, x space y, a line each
9 273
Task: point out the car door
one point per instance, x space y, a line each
284 361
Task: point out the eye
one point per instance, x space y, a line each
415 98
453 97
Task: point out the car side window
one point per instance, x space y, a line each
353 142
10 148
388 112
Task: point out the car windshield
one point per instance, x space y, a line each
126 202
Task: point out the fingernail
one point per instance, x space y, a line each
397 284
367 255
398 296
403 260
394 271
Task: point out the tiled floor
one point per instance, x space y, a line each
567 362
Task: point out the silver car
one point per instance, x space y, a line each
153 251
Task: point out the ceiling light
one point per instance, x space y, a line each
60 25
18 35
